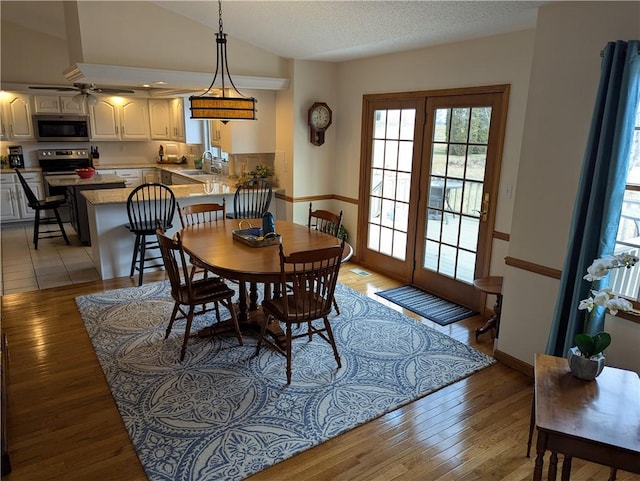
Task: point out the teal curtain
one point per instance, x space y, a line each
596 212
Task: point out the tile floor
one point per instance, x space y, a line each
54 264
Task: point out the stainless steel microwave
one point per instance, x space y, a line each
61 128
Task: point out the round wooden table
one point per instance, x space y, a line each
214 246
491 285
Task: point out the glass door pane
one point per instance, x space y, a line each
390 186
457 170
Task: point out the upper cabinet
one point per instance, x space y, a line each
58 104
160 119
16 117
176 107
171 121
124 119
251 136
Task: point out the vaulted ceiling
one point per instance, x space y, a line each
322 29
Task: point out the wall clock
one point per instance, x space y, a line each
319 120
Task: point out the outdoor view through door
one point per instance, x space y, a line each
432 168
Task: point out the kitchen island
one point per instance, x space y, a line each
112 243
77 204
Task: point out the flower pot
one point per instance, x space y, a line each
585 368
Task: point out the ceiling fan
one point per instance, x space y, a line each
86 92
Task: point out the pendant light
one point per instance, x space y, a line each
222 107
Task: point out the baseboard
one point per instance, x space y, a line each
513 363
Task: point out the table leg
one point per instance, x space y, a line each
541 447
612 474
242 302
531 425
553 466
253 296
566 468
493 321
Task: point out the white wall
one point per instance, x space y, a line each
142 34
31 57
314 167
564 78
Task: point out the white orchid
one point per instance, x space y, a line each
605 297
601 267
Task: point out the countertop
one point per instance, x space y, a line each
119 196
75 180
11 170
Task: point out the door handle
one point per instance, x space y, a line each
485 208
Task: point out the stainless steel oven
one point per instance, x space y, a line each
61 162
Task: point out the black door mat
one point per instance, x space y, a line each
427 305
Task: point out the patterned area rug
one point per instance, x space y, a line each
427 305
225 414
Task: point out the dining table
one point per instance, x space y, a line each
216 248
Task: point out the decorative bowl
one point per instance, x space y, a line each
86 173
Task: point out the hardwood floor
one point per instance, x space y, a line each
64 425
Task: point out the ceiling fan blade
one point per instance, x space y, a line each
57 89
112 91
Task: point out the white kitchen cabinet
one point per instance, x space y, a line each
58 104
170 120
127 119
215 132
177 120
252 136
16 116
9 210
132 177
160 119
15 206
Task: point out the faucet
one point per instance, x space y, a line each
207 159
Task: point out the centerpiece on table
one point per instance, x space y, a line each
586 359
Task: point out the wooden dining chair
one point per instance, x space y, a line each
329 223
201 213
311 278
47 204
188 293
197 214
325 221
148 205
252 199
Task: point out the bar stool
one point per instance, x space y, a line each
48 204
491 285
148 206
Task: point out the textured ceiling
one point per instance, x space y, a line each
325 30
344 30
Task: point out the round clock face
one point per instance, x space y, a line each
320 117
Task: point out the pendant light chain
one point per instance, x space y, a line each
220 15
222 107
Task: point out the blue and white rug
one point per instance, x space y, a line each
225 414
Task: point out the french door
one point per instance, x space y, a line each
429 180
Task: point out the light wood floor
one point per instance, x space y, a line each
64 425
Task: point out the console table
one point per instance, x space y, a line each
598 421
